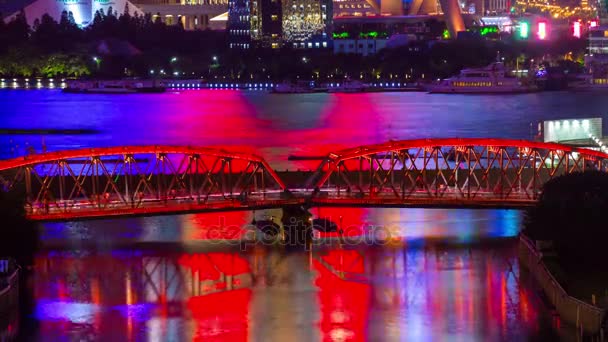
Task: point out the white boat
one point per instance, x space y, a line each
588 82
114 86
492 79
348 86
299 87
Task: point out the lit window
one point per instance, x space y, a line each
324 44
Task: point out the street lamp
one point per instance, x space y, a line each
173 59
215 58
97 61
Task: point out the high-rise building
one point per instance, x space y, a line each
239 24
307 23
255 22
272 23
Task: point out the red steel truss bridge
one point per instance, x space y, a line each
147 180
140 180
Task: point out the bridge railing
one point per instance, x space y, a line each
138 177
444 170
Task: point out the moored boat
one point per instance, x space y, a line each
588 82
348 86
114 86
299 87
491 79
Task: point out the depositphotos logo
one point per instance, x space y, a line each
294 234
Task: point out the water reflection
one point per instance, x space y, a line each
409 225
389 294
442 289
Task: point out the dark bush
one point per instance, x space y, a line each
573 212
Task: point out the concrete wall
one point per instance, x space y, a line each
584 316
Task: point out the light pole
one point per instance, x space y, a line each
97 61
213 65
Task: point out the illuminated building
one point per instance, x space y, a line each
503 23
307 23
272 23
239 24
380 27
266 22
356 8
258 21
362 47
542 30
191 14
598 41
83 11
498 6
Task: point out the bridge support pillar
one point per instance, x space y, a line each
297 224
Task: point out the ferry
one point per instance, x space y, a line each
588 82
114 87
348 86
300 87
493 78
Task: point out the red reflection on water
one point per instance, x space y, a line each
221 316
344 301
431 294
212 226
213 115
144 290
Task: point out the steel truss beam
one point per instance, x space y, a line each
444 171
138 179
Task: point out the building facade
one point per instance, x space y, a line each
307 22
83 11
191 14
274 23
364 47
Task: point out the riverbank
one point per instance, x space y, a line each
586 317
9 287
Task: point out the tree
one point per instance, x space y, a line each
571 213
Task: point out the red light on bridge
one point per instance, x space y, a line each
542 30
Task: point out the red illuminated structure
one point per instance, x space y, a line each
140 180
542 30
163 179
447 172
576 29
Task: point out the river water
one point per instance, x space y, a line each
442 275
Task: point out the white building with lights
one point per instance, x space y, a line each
191 14
83 11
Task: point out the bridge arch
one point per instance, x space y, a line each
447 172
139 180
